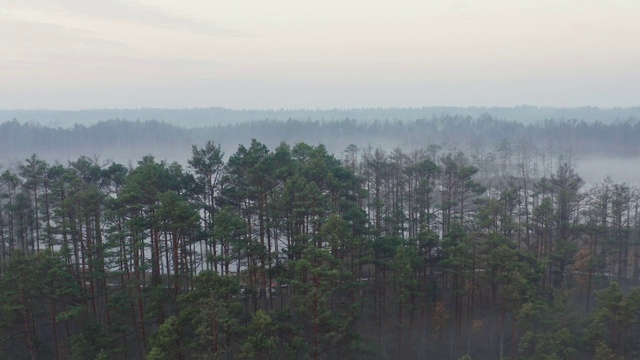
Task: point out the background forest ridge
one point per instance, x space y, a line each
604 144
213 116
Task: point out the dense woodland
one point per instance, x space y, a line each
291 252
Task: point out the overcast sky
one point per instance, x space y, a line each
78 54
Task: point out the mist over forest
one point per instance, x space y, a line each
431 233
326 180
206 117
599 141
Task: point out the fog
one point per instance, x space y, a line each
604 148
594 170
212 116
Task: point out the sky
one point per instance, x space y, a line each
257 54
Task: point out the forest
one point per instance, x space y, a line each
126 140
219 116
292 252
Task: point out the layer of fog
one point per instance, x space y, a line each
594 170
201 117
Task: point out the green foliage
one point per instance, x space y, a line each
92 342
512 275
455 250
548 345
260 340
318 278
553 329
603 352
613 326
165 344
211 313
28 282
289 253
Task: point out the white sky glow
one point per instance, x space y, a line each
73 54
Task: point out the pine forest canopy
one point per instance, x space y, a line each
287 251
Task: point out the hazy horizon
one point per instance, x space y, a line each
327 108
213 116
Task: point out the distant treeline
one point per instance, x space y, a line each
203 117
125 140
